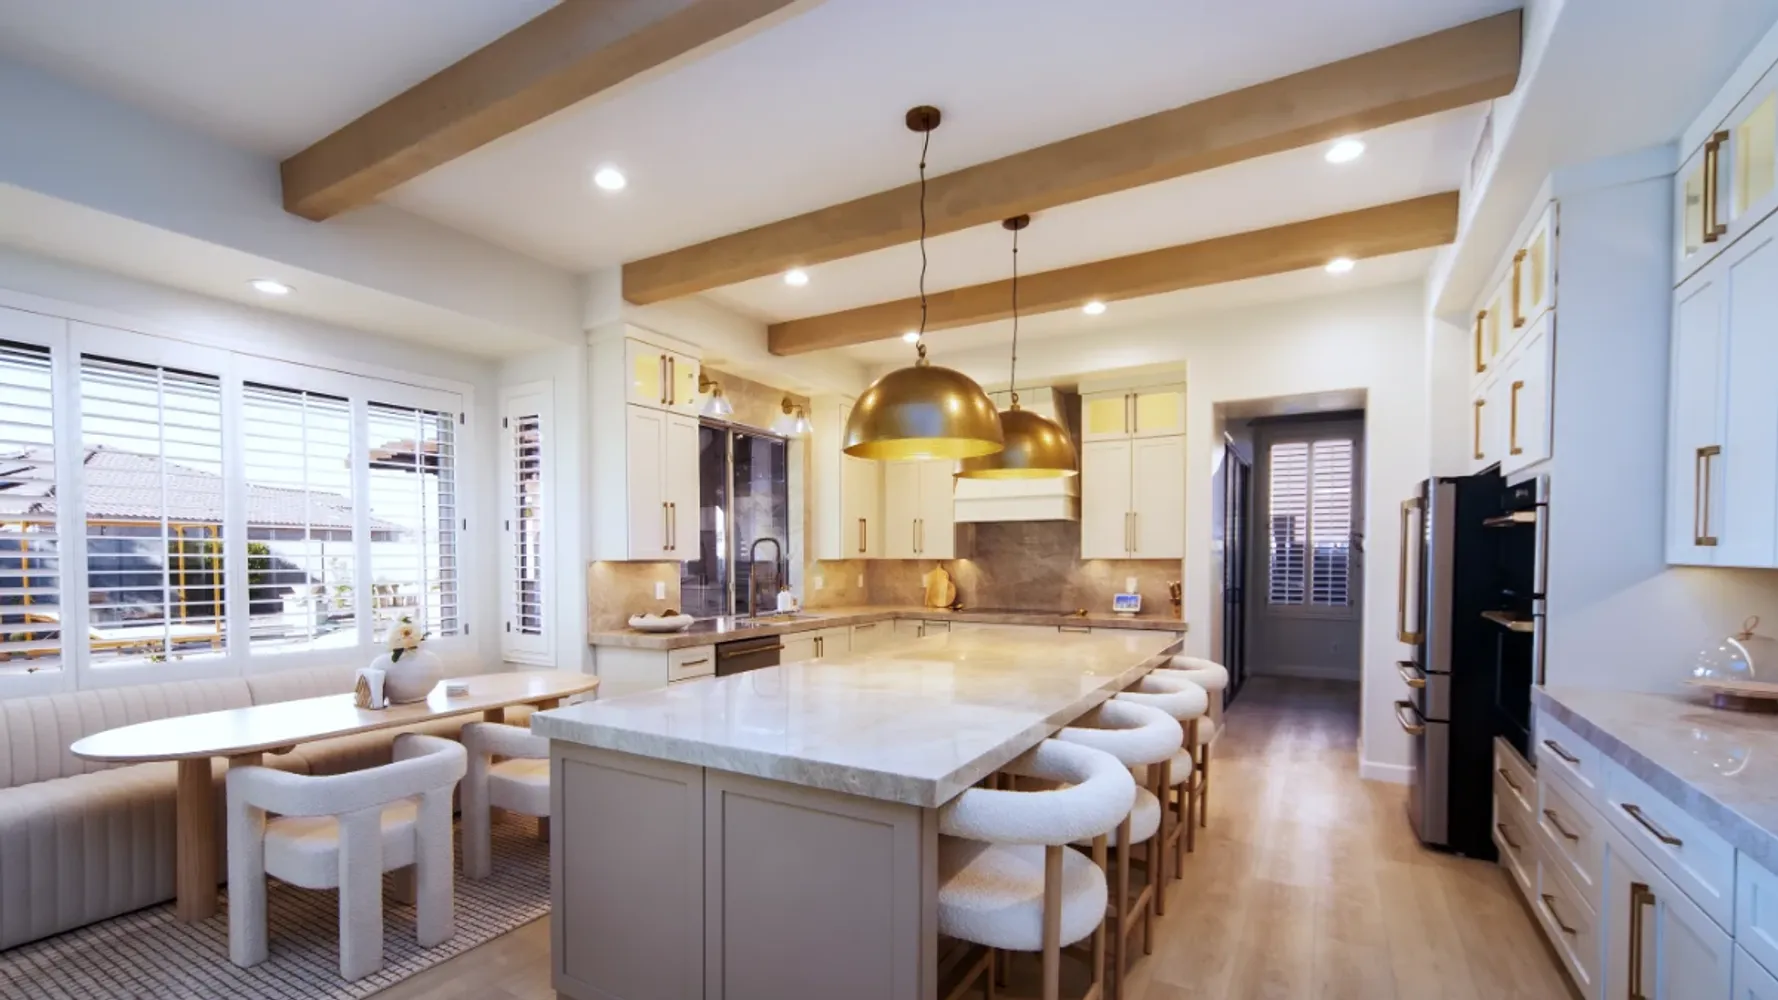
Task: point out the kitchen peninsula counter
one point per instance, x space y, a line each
775 833
723 629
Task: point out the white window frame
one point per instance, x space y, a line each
1266 437
515 401
71 330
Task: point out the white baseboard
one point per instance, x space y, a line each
1306 672
1394 774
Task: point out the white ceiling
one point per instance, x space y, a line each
272 76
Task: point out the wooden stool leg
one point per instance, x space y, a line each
988 989
1157 848
1052 922
1184 844
543 828
1099 858
1120 906
1204 794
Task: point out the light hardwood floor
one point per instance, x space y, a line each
1307 884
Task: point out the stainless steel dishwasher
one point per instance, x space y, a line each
741 655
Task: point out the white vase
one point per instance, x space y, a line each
410 678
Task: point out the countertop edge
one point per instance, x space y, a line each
631 639
1742 833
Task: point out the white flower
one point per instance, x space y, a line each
404 636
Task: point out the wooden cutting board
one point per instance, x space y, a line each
940 591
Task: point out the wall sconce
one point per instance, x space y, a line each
792 421
715 404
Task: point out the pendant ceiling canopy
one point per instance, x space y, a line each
1036 446
923 411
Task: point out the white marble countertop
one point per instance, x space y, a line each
914 722
1721 767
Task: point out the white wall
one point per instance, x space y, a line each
58 288
1371 341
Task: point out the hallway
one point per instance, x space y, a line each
1307 884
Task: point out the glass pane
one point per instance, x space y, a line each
1157 411
703 581
413 518
762 520
1693 236
30 572
1288 508
1536 263
1756 147
1105 415
526 442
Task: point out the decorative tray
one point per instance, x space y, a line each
1741 696
661 623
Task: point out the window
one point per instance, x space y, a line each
524 562
744 484
30 570
1309 543
302 554
151 460
413 566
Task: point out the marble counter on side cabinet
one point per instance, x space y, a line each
1721 767
914 723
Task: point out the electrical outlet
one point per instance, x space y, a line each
820 583
660 590
861 579
1129 585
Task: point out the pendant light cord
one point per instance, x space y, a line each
1012 378
925 145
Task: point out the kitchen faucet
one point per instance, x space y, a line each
753 572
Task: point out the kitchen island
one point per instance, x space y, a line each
774 833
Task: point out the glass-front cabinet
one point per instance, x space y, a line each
1729 184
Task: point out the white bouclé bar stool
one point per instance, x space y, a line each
345 831
520 783
1213 677
1138 736
1186 702
1007 882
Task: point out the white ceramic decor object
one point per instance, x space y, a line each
410 678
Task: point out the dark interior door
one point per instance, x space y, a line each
1237 526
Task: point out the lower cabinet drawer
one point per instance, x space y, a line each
692 661
1515 776
1518 855
1572 927
1756 911
1752 981
1558 748
1573 837
1699 862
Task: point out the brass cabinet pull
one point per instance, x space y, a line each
1713 230
1557 749
1518 283
1135 532
1411 728
1478 404
664 382
1480 365
673 518
861 535
693 663
1556 821
1549 903
672 380
1401 590
1640 896
1506 836
665 531
1508 778
1129 413
1410 674
1512 437
1701 494
1635 812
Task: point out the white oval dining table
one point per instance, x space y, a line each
243 735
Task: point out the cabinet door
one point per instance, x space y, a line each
1658 943
1751 158
937 529
1526 378
1697 214
1497 327
1158 412
1752 981
1479 356
901 509
1748 535
861 502
1480 424
680 459
1104 415
834 641
797 648
1158 498
646 481
682 383
1535 264
870 635
1694 418
648 373
1105 499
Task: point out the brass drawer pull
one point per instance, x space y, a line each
1556 821
1507 836
1556 748
693 663
1549 903
1411 728
1635 812
1410 674
1507 777
1640 897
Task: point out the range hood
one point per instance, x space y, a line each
978 500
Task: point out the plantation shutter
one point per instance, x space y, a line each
413 553
30 567
151 440
522 428
1288 530
1330 523
1309 540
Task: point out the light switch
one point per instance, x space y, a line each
660 590
861 579
820 582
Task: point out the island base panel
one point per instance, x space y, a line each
798 892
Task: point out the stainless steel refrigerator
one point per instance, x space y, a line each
1471 608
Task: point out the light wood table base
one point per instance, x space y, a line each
195 813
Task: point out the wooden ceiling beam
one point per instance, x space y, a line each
573 51
1393 228
1475 62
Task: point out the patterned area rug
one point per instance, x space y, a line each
149 954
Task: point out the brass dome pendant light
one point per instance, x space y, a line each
925 411
1036 446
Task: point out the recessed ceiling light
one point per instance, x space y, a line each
912 336
269 287
1340 265
1093 308
610 178
796 277
1345 151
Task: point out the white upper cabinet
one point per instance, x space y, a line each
644 444
1722 485
661 478
1525 376
1151 412
1133 498
1105 499
917 510
660 377
1729 184
1534 274
848 491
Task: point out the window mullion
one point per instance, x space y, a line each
237 611
70 511
362 604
